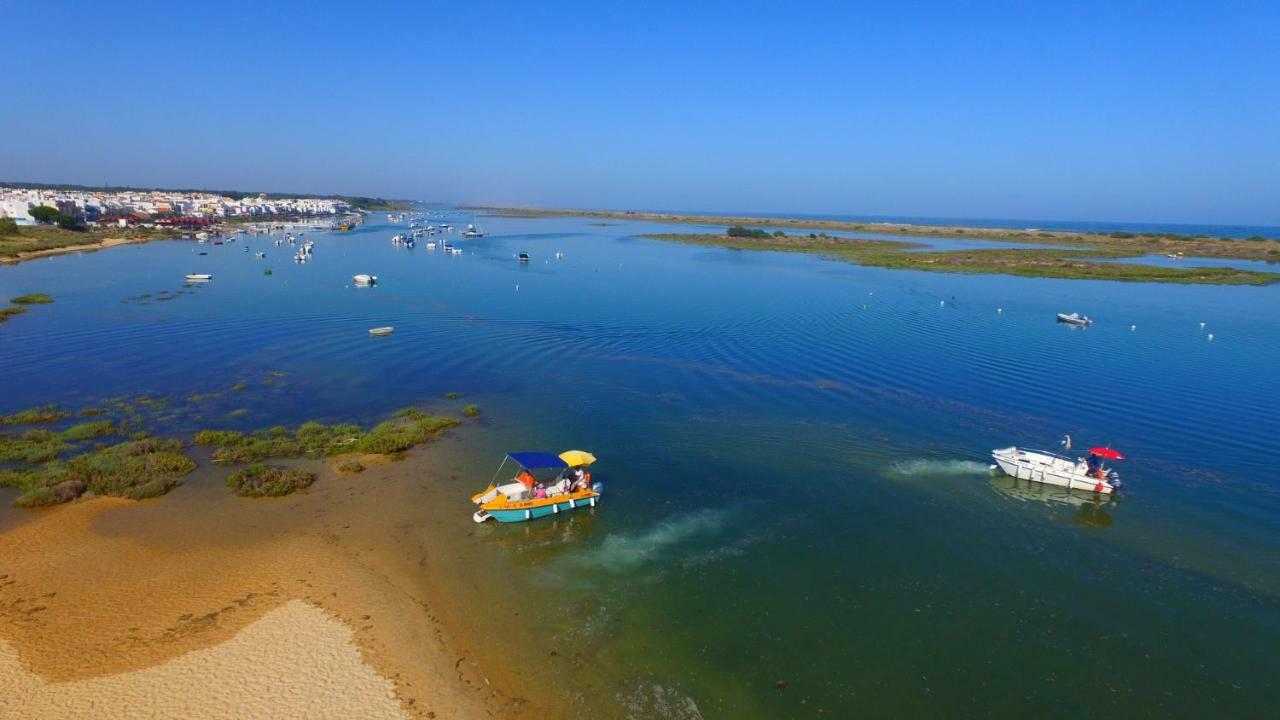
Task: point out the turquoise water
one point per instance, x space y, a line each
799 520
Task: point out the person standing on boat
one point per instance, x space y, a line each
1095 465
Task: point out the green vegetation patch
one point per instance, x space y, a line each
471 411
89 430
134 469
260 480
33 446
1078 263
11 311
410 427
32 299
351 466
40 415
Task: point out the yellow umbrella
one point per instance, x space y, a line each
575 458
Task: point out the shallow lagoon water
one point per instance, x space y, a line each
798 515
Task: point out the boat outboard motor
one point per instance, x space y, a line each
598 488
1113 478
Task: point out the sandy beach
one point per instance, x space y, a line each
205 605
294 662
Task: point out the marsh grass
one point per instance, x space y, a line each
89 430
11 311
1026 262
410 427
40 415
471 411
259 480
134 469
32 299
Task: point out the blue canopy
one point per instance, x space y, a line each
537 460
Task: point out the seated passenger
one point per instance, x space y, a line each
526 478
540 491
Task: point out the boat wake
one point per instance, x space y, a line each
924 468
625 552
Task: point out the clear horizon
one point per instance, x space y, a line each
1094 113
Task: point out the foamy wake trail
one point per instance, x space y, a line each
625 552
920 467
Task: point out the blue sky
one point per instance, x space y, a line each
1153 111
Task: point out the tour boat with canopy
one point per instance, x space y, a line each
545 484
1088 473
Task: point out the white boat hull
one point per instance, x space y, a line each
1050 469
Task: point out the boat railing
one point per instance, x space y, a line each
1050 453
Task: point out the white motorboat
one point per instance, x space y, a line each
472 232
260 255
1051 469
1074 319
378 331
364 280
199 277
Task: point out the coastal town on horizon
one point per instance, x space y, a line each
162 207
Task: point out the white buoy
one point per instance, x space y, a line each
1201 326
999 311
517 288
942 303
1132 328
1210 337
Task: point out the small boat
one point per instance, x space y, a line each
472 232
455 251
379 331
202 253
1074 319
523 257
1051 469
260 255
199 277
545 485
431 244
364 280
1174 256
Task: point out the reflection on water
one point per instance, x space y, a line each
1092 508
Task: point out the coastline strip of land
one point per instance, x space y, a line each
1073 255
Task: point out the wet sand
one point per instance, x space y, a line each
108 601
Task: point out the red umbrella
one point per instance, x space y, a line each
1107 453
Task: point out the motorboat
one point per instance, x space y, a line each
379 331
1089 473
545 484
523 257
472 232
364 280
199 277
1074 319
259 255
455 251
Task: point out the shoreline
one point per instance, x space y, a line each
1049 263
107 588
1137 243
104 244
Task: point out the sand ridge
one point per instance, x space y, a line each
295 661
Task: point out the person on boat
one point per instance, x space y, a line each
579 479
540 491
526 478
1095 465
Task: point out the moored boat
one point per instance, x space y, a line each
378 331
1074 319
1042 466
545 485
199 276
364 280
